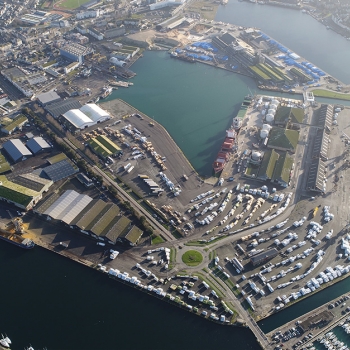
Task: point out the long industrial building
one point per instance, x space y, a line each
94 217
88 115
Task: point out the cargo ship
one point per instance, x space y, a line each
106 92
183 57
13 236
226 149
238 119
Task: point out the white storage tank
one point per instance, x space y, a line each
256 155
275 102
271 111
264 133
269 118
266 127
273 106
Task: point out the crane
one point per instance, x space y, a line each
17 223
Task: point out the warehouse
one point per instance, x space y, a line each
20 196
15 124
316 176
37 145
48 97
60 170
33 182
95 113
104 147
84 180
263 257
131 237
61 107
88 115
76 52
283 139
16 150
68 206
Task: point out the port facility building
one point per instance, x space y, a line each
48 97
4 165
75 52
15 124
60 170
263 257
93 217
103 146
21 196
33 182
37 145
16 150
88 115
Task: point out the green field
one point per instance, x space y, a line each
331 94
192 258
72 4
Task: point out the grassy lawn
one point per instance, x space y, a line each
157 239
192 258
331 94
72 4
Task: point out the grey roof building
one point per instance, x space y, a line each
38 144
48 97
63 106
59 170
16 150
68 206
263 257
33 181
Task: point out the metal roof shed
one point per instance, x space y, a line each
16 150
59 170
37 144
68 206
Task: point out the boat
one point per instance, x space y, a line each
121 83
5 343
238 119
13 236
106 92
182 57
227 147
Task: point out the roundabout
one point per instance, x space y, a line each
192 258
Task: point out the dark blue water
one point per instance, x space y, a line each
50 301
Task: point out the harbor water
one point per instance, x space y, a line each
50 301
194 102
297 31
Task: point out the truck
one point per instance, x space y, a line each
131 168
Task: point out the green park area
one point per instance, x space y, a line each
331 94
72 4
192 258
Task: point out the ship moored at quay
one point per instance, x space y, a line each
13 235
230 143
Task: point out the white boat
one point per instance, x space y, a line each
8 340
4 343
